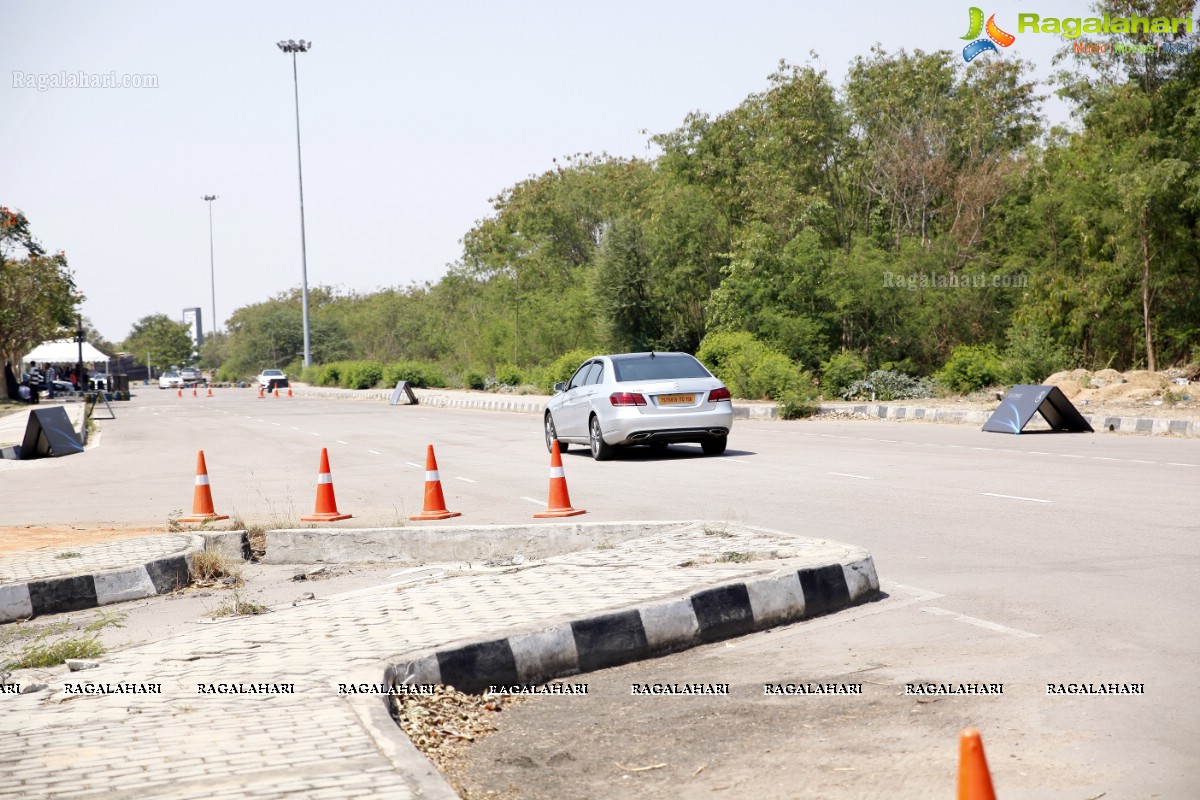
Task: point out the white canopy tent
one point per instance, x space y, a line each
63 351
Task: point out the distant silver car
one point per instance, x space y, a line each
653 399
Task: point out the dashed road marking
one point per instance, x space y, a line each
980 623
848 475
411 464
1016 497
314 433
339 441
1179 464
535 502
461 478
1139 461
375 452
1105 458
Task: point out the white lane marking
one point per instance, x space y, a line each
461 478
339 441
314 434
960 446
848 475
1038 453
1016 497
411 464
293 427
737 460
1070 455
1105 458
889 441
535 502
981 623
1136 461
983 448
276 423
1178 464
375 452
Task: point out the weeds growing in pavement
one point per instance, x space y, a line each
239 608
107 619
209 565
173 523
734 557
40 653
69 554
722 532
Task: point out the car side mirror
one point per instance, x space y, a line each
561 386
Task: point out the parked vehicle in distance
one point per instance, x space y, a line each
270 379
190 376
654 399
170 380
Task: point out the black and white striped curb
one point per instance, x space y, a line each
80 592
608 640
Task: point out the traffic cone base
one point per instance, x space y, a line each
202 502
435 501
209 393
289 391
260 393
559 502
326 510
179 392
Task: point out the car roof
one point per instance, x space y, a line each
655 354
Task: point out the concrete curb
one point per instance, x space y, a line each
653 629
1102 423
449 544
92 590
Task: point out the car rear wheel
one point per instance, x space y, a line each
552 434
601 450
714 447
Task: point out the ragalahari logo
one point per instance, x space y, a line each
995 36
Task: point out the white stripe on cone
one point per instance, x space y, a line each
324 477
202 480
557 472
431 475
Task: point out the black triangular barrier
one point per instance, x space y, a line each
49 433
1024 401
403 390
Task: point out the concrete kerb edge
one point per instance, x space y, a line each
649 630
1145 425
80 592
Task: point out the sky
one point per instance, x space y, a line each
412 116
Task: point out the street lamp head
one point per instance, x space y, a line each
209 197
292 46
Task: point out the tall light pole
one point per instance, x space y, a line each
212 272
293 47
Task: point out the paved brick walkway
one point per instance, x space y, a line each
315 743
41 564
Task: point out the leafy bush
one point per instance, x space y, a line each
750 368
885 385
420 374
360 374
508 375
972 367
1032 354
840 371
799 401
331 374
473 379
563 367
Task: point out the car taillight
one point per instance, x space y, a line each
626 399
718 394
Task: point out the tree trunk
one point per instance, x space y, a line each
1146 290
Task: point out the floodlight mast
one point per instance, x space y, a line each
291 46
212 272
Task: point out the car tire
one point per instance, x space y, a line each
601 450
552 434
714 447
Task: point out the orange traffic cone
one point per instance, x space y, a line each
209 392
260 393
326 510
202 502
974 780
194 392
179 392
435 502
559 504
289 391
277 394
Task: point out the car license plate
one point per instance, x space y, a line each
676 399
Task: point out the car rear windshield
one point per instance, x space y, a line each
656 368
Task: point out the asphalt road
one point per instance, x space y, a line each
1026 560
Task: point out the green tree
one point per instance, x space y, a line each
38 300
160 341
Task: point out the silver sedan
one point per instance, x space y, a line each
651 399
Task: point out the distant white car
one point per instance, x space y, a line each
269 376
170 380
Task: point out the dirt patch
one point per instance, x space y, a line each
25 539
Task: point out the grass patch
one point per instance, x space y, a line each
209 565
69 554
239 608
11 633
54 653
107 619
721 532
734 557
173 523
